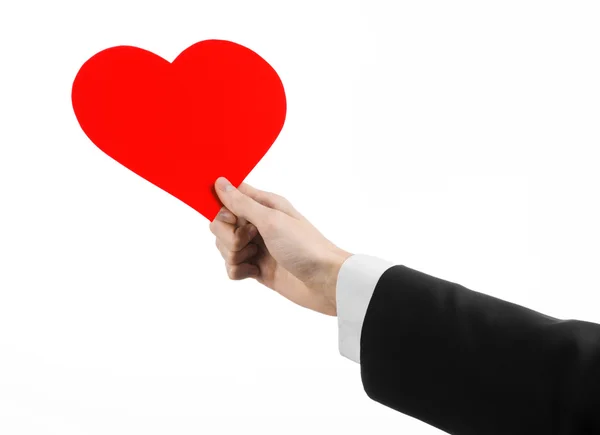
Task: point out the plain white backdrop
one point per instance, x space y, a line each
459 138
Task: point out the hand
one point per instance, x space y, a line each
278 247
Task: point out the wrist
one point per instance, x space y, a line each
333 264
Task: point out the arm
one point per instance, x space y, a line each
469 363
457 359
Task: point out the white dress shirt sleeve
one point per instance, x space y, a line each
356 282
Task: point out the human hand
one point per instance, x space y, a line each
261 235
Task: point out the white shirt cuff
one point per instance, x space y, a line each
356 282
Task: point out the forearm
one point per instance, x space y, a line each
469 363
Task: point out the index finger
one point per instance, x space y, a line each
225 215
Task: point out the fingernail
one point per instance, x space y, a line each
224 184
254 271
225 215
253 231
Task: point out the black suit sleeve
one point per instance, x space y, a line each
472 364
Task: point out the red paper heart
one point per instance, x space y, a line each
214 111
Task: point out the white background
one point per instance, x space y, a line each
457 138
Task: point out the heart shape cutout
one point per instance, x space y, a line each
214 111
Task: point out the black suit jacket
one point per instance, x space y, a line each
472 364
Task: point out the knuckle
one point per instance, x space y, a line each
283 203
230 271
235 273
237 243
271 200
231 257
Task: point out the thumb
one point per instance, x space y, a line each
270 200
239 204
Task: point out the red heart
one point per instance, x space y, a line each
214 111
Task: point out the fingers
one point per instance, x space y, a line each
233 238
267 199
239 204
235 258
241 221
226 216
242 271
